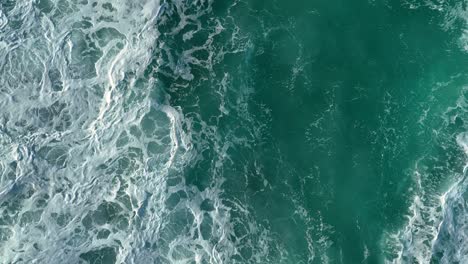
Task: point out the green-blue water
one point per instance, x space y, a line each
244 131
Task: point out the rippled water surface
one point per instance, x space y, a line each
240 131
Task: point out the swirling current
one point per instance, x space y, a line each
240 131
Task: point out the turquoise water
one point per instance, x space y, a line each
243 131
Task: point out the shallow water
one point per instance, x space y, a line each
245 131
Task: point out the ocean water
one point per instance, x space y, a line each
233 131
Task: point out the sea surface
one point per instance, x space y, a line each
233 131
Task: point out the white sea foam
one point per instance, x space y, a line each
448 245
437 222
92 158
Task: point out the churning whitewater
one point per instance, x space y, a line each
245 131
92 153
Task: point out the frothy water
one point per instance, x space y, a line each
92 153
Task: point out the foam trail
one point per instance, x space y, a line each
73 132
437 224
448 246
92 155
